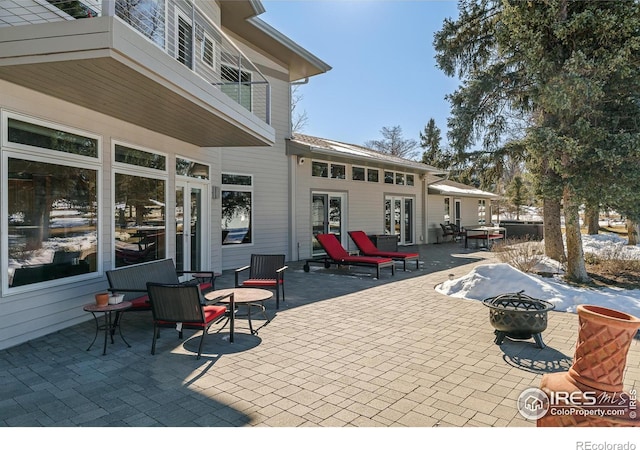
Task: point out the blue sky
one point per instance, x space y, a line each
383 67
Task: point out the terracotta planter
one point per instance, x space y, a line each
595 380
102 299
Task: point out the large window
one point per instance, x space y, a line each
482 212
51 196
237 199
140 211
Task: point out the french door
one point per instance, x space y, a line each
458 213
192 225
327 216
399 218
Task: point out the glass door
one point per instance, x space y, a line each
191 225
326 217
399 218
458 213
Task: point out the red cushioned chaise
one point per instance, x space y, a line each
367 248
336 254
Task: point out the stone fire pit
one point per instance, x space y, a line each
518 316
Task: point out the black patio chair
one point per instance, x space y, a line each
264 271
181 307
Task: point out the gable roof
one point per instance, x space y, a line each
312 146
241 18
442 186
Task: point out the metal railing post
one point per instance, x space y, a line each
193 37
240 80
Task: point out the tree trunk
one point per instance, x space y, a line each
552 228
632 232
592 219
576 269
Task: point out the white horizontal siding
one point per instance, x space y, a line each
35 313
269 167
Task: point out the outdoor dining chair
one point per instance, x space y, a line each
181 307
265 271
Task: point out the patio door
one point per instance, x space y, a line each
458 213
399 218
192 211
327 216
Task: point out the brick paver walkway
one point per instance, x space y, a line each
344 350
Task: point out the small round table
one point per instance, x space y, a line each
109 325
243 296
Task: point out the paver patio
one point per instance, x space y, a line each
344 350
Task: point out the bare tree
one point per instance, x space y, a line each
299 119
394 144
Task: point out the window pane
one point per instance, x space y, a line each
357 173
207 51
192 169
319 169
372 175
410 180
447 211
236 217
139 219
185 42
338 171
52 221
399 178
388 177
44 137
408 220
240 180
140 158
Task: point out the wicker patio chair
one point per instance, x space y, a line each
181 307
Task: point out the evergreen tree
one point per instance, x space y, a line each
564 72
430 141
517 193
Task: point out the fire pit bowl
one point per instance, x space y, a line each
518 316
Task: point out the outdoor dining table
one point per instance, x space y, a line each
241 296
484 233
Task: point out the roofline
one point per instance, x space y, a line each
257 6
289 43
312 149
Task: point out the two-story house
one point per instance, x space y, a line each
134 131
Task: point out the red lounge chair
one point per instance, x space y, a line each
367 248
336 254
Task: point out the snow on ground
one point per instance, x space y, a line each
489 280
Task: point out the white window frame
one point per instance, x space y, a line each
42 155
142 172
180 14
364 175
206 38
240 188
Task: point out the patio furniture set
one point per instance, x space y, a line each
196 304
482 235
193 304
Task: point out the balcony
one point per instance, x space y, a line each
161 64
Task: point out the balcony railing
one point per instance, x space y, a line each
182 30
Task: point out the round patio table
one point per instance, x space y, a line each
243 296
109 325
